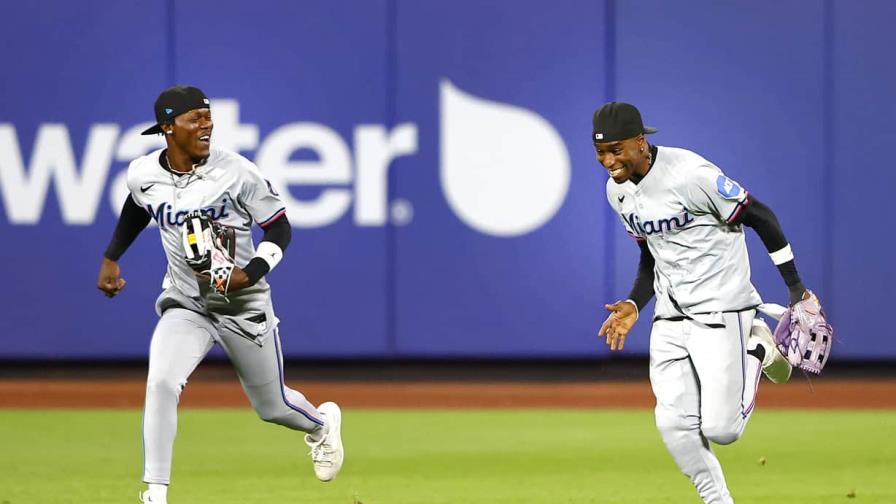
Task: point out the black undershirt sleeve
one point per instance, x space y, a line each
642 290
279 233
761 218
132 221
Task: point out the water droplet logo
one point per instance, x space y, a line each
504 169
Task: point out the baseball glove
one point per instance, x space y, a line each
208 249
804 335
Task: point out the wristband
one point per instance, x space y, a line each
270 253
782 256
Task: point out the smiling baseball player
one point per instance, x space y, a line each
707 347
205 201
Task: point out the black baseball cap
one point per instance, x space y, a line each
173 102
616 121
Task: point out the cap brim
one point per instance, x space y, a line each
647 130
154 130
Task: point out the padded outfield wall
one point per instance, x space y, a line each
435 161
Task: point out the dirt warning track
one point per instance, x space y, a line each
128 393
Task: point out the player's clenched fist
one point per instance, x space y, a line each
623 315
110 281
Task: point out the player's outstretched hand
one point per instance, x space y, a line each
110 281
623 315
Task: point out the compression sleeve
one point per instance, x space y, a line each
761 218
642 291
132 221
278 233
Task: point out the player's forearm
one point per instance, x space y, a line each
132 221
761 218
277 236
642 290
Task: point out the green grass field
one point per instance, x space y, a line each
488 457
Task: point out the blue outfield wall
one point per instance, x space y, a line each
435 159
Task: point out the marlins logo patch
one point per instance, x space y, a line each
728 188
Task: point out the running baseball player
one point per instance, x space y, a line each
707 345
205 201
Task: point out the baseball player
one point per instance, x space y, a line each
707 346
205 201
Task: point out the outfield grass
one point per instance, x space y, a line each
420 456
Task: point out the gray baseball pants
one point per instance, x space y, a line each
182 338
705 386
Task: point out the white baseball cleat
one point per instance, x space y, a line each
774 365
147 497
327 452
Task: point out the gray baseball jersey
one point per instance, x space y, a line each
230 189
684 208
194 317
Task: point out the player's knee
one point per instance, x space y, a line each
164 387
670 423
722 434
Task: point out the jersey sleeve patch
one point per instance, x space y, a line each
271 188
728 188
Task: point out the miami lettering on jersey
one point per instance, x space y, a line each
647 228
163 214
